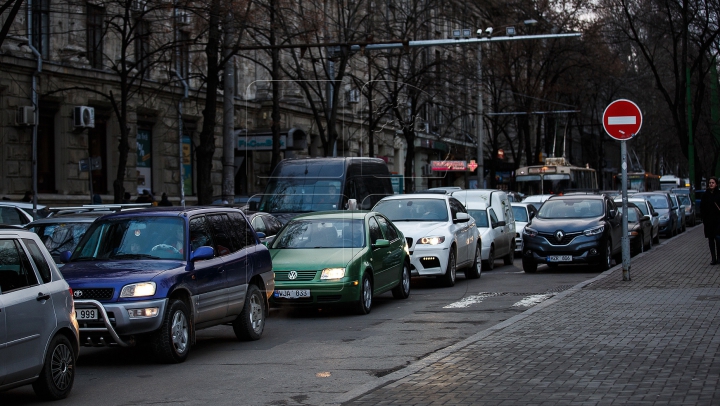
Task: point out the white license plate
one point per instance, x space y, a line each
559 258
292 293
86 314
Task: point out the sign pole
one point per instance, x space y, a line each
625 240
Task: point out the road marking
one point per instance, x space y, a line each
533 300
470 300
622 120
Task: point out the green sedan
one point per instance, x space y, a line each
339 257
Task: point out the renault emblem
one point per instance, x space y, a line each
78 293
292 275
559 235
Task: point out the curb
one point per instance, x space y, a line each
447 351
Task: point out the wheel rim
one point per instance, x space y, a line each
452 269
478 260
179 332
62 367
256 313
406 279
608 255
491 258
367 294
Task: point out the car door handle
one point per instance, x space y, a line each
40 297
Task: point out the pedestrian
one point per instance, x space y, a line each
164 200
126 198
96 199
710 209
144 197
28 197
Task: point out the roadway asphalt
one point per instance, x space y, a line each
653 340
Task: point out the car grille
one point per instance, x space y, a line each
301 276
328 298
93 293
567 238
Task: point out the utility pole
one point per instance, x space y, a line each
228 173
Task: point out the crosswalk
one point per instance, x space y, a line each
529 300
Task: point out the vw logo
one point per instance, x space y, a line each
292 275
78 293
559 235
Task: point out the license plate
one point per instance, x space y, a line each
86 314
292 293
559 258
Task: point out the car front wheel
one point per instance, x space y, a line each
529 265
489 264
364 304
58 371
606 260
402 290
448 279
510 257
171 344
475 270
249 325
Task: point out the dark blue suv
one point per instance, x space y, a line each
158 275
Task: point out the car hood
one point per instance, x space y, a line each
419 229
309 259
113 272
567 225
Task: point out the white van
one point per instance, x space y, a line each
500 235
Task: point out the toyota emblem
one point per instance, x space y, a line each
559 235
78 293
292 275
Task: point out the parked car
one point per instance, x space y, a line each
38 331
264 223
339 257
19 214
639 230
522 212
495 222
160 274
576 229
680 211
646 209
440 234
689 204
663 205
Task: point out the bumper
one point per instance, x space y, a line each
583 249
115 321
429 260
326 292
665 228
518 242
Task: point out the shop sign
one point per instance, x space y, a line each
449 166
258 142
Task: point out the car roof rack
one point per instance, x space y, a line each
88 208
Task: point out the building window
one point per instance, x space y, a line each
142 47
95 19
183 54
41 27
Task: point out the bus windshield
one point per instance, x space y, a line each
551 183
297 195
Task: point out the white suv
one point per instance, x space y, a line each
441 235
38 330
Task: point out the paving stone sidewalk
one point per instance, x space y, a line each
654 340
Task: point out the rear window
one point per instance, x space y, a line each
414 209
520 214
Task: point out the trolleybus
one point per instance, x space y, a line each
555 176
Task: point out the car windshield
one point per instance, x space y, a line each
60 237
411 209
571 208
133 238
658 201
520 214
299 195
321 233
632 216
684 199
643 208
480 216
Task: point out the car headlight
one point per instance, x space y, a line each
530 232
665 217
332 273
138 289
594 231
432 240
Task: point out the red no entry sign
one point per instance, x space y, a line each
622 119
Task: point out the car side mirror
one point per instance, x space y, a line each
500 223
532 215
461 218
65 256
655 214
647 216
379 243
260 234
204 252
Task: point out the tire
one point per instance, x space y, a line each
364 303
656 239
606 262
509 259
171 344
250 323
475 270
489 263
529 265
58 372
402 290
650 241
448 280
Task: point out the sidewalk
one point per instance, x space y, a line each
654 340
